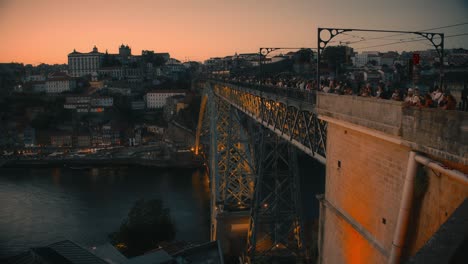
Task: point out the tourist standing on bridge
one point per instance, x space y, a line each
448 102
428 102
366 91
411 98
437 95
380 92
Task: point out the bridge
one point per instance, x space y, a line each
386 164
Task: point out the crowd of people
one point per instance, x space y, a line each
435 98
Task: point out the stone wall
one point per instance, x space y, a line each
378 114
364 182
343 244
437 132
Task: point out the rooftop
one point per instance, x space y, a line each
63 252
167 91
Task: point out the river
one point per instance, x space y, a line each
40 206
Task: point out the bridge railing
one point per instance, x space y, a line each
286 113
293 93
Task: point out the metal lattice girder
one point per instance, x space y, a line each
275 229
230 158
302 127
203 126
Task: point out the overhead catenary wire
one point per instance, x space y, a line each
406 41
351 36
399 34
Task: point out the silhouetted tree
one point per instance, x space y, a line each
110 61
149 56
304 56
148 223
335 57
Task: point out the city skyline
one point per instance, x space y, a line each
46 31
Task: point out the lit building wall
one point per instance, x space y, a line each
364 184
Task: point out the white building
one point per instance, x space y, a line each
77 99
80 64
35 78
114 72
102 101
213 62
171 68
157 98
86 103
59 82
360 60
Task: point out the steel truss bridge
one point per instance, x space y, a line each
250 135
250 132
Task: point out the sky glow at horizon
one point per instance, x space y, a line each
45 31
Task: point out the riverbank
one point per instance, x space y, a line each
83 163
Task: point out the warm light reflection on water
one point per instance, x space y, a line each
201 186
56 176
43 206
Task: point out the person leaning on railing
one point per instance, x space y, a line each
448 102
296 87
428 102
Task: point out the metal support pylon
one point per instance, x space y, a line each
275 231
230 161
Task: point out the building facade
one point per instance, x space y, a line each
157 99
59 82
80 64
104 101
61 140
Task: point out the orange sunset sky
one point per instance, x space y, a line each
45 31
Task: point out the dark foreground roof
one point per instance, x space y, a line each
206 253
63 252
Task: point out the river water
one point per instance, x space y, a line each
41 206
